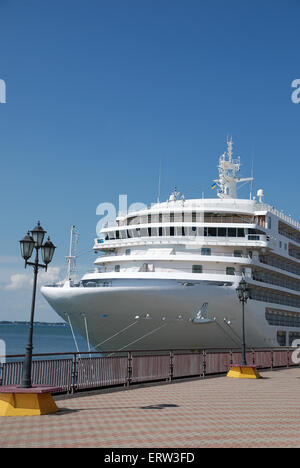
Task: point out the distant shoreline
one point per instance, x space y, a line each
19 322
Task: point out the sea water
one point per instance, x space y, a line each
47 338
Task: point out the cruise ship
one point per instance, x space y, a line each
165 277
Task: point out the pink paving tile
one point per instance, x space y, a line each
216 412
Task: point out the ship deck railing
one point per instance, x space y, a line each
250 240
144 269
172 254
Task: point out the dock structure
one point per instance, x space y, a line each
195 413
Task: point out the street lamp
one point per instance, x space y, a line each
243 294
34 240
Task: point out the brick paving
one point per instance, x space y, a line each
217 412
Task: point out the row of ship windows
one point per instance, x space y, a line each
295 235
146 267
282 338
206 251
282 318
257 276
181 231
282 281
295 254
279 263
194 217
93 283
274 298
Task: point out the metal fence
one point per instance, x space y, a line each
81 371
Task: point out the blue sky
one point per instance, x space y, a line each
99 92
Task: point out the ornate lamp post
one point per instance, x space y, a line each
243 371
28 244
243 295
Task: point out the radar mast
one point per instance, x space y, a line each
228 168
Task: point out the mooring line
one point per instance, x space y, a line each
116 334
227 334
74 337
87 334
144 336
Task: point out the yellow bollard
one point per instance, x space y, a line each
35 401
244 372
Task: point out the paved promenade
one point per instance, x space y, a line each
217 412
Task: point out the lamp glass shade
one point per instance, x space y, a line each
239 292
27 245
48 251
242 291
38 234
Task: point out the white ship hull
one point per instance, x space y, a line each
158 314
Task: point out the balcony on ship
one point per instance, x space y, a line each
250 240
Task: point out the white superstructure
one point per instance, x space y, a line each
166 276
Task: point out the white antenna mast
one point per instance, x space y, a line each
71 258
229 148
251 185
159 181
